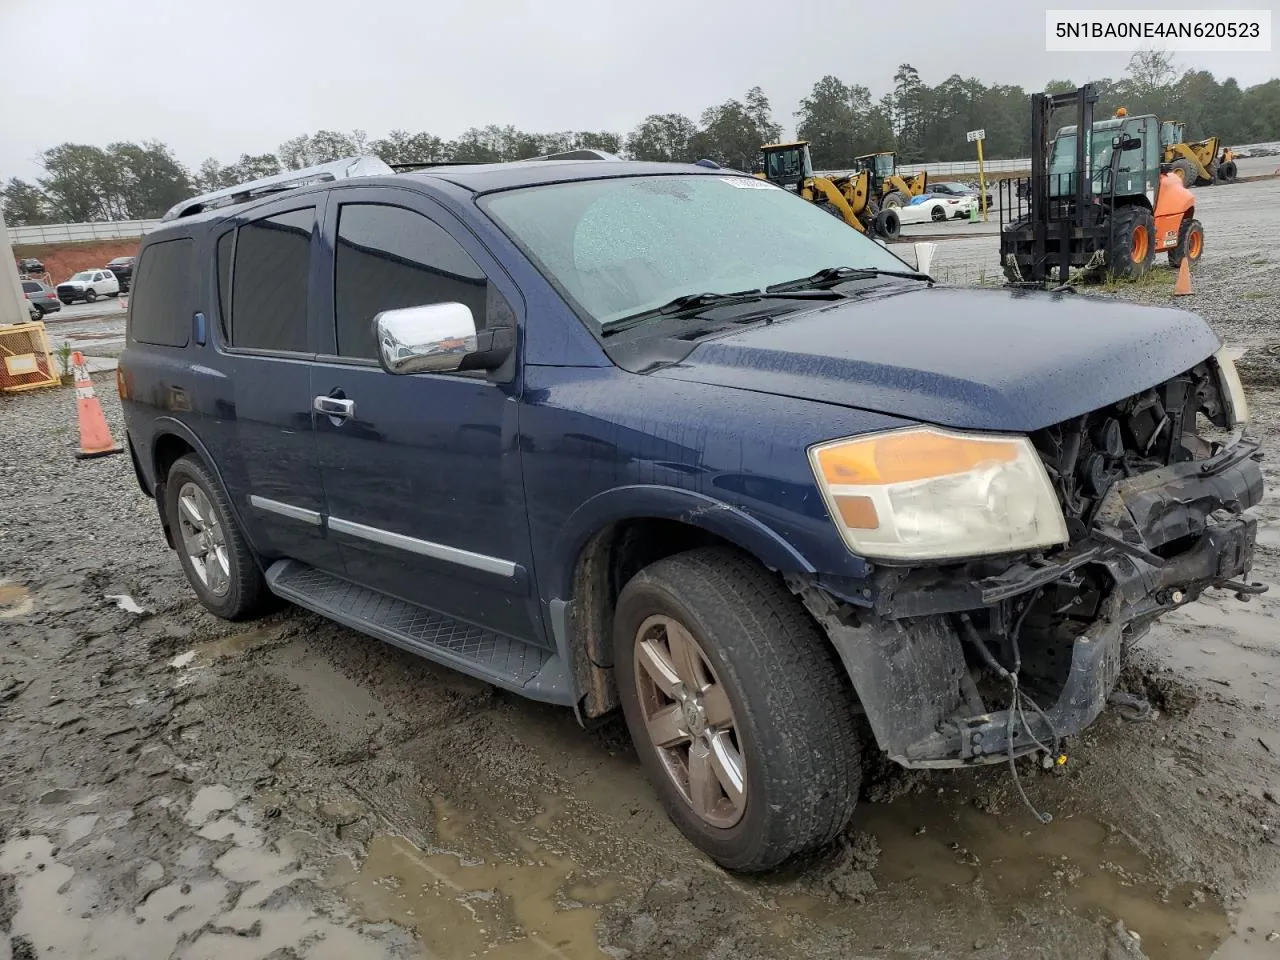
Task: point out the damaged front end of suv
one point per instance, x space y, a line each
1137 508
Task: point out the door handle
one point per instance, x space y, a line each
334 407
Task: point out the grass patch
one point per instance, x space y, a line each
1254 295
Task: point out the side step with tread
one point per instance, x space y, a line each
530 670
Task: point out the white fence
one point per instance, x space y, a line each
80 232
967 168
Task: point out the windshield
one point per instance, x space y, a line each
952 186
83 275
624 245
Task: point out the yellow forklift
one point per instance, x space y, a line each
788 165
892 188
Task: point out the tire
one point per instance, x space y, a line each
1227 171
90 295
1185 171
789 707
244 593
938 215
896 199
1131 243
1190 244
1213 172
39 310
888 224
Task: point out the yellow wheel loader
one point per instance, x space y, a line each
1192 163
789 166
892 188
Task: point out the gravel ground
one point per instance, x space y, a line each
175 786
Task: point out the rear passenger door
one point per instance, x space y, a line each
262 401
422 477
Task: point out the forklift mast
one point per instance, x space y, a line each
1047 198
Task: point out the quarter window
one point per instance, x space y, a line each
389 257
269 295
163 302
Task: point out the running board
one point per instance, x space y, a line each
529 670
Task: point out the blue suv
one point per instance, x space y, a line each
670 439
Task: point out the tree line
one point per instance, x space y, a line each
922 123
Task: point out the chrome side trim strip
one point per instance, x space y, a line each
285 510
477 561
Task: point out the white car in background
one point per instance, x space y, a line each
937 208
88 285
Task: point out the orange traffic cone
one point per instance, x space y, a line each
95 435
1183 286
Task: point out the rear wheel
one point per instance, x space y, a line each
214 553
1131 244
738 707
1190 244
896 199
1185 171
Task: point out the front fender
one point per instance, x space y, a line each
651 501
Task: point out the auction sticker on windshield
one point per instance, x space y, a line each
749 183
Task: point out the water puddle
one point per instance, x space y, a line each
15 601
946 851
254 902
210 652
525 903
1257 928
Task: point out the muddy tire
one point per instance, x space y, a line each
761 761
1131 244
896 199
1227 171
1190 244
214 553
1185 171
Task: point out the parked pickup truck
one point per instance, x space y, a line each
669 439
88 285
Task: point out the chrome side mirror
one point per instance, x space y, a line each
429 339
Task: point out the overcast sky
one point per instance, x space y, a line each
222 77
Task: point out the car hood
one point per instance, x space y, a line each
74 283
1009 360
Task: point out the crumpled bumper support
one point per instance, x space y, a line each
1163 538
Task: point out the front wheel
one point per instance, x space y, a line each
1131 246
741 713
90 296
214 553
937 215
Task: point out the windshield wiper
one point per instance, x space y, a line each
831 276
692 303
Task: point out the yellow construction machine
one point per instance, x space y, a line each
1192 163
788 165
893 189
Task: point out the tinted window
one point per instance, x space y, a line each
269 297
163 301
389 257
30 287
224 281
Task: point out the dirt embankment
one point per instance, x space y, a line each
61 260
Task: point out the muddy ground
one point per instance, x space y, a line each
175 786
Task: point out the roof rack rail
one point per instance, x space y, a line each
363 166
585 154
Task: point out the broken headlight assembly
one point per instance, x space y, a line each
1237 407
931 494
